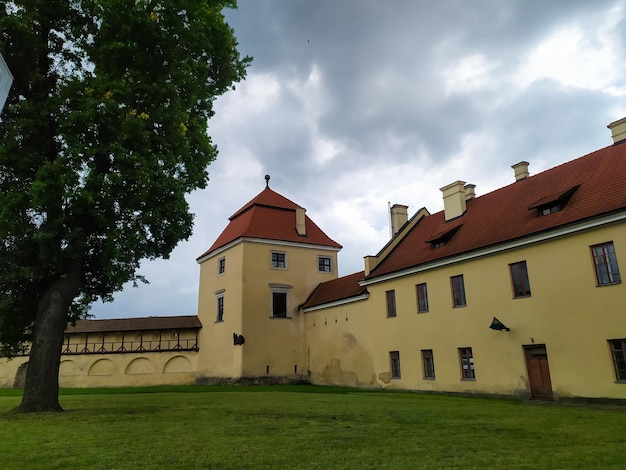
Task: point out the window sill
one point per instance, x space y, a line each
423 311
459 306
392 316
396 378
522 297
620 382
429 378
281 318
468 379
608 284
219 321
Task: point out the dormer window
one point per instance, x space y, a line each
553 203
442 238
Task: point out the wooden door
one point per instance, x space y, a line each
538 372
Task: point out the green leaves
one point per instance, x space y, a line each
104 133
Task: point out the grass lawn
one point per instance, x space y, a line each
306 427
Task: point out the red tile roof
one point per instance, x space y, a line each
337 289
135 324
270 216
507 214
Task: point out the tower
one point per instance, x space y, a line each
253 279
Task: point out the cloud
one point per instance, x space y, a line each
351 105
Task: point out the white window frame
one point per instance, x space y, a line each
330 263
221 265
219 297
276 252
279 289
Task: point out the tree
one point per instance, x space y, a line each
103 134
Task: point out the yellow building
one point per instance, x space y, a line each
252 282
516 292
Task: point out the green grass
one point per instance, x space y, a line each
306 427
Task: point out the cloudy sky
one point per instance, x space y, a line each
352 104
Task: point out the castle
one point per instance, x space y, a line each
516 292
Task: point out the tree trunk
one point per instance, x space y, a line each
41 389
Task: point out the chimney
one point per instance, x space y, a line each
470 192
399 215
618 130
454 200
521 170
300 221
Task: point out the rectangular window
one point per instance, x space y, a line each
279 304
458 291
422 297
394 359
279 260
391 303
220 309
519 278
467 363
618 350
605 261
221 266
323 264
428 363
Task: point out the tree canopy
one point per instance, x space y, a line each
103 134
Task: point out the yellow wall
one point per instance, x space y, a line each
218 356
271 344
340 346
349 344
566 312
115 370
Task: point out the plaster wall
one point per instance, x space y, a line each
566 311
218 357
114 370
340 346
277 346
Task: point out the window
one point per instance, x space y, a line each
467 363
279 304
519 278
391 303
394 359
442 238
219 316
618 350
279 300
422 297
458 291
323 264
605 262
279 260
429 364
221 266
552 203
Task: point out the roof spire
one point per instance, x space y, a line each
267 181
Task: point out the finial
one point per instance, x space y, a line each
267 181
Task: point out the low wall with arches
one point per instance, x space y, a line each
112 370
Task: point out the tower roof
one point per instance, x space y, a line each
270 216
